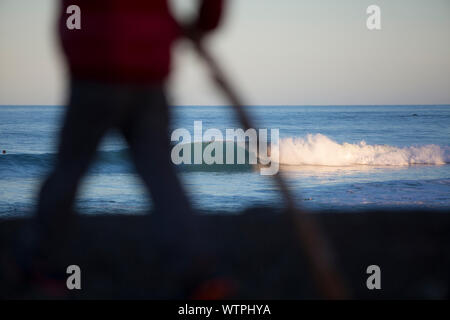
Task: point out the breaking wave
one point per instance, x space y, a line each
318 149
312 150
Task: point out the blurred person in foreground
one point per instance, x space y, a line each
118 63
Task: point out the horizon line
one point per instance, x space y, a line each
256 105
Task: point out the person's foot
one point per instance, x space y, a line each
30 272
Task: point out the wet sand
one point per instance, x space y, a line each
254 255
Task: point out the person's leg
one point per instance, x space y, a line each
86 121
146 131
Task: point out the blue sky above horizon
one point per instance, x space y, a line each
286 52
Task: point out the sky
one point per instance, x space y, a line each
287 52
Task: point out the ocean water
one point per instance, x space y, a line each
334 157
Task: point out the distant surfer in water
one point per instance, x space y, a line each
118 63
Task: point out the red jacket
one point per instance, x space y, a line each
126 41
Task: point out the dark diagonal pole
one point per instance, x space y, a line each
316 248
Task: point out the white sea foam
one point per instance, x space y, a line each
318 149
